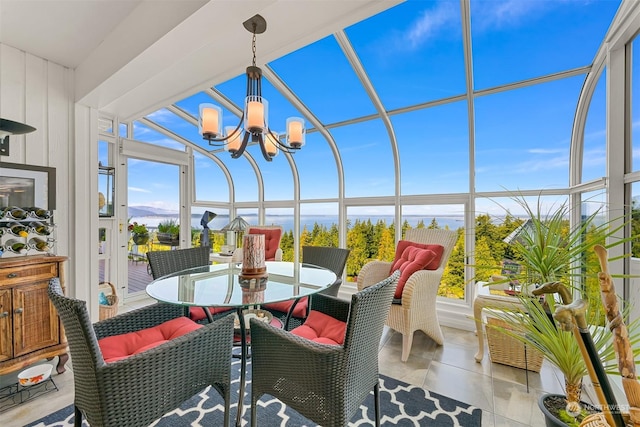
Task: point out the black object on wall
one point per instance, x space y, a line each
9 127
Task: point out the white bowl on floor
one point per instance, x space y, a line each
34 375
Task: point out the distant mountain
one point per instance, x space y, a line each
139 211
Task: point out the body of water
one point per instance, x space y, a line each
286 221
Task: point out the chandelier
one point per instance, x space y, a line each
253 126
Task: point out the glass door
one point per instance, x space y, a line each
153 201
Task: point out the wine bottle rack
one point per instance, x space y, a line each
26 231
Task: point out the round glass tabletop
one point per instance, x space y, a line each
220 285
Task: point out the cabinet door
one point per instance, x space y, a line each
5 325
35 321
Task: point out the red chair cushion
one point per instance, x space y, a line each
412 260
404 244
322 328
117 347
197 313
300 310
272 238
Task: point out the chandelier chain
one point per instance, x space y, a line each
253 45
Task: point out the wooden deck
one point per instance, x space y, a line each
139 276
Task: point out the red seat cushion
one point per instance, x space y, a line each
412 260
322 328
197 313
404 244
299 311
117 347
272 238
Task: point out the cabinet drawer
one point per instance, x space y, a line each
10 276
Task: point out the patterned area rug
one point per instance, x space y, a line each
401 404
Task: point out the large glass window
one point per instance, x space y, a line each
320 75
635 105
434 149
412 52
211 184
523 136
367 158
515 41
144 133
595 134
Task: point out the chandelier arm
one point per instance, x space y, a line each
243 146
224 139
266 155
281 145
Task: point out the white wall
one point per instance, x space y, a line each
40 93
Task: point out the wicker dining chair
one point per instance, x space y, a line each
141 388
325 383
416 309
163 263
292 313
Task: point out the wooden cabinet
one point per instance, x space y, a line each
30 329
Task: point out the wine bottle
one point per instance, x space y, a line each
40 213
17 229
39 244
17 213
16 246
40 228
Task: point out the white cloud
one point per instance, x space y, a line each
430 23
139 190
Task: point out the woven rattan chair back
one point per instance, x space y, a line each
325 383
335 259
163 263
138 390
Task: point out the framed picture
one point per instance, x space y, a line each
27 186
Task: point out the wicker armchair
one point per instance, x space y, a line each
416 310
163 263
335 259
325 383
143 387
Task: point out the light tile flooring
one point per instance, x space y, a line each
500 391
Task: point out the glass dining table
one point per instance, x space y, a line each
221 286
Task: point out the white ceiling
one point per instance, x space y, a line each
132 57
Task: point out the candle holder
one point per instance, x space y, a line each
253 260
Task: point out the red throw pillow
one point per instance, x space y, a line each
404 244
299 311
197 313
412 260
272 238
117 347
322 328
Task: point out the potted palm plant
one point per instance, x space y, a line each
549 251
169 232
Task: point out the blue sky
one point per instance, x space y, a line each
413 54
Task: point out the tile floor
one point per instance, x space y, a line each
500 391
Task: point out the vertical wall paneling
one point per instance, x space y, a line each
85 229
36 110
40 93
12 103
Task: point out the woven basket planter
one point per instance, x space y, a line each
509 351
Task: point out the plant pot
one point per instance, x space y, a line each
551 419
169 239
140 238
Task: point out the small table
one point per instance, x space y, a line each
490 297
218 285
220 258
